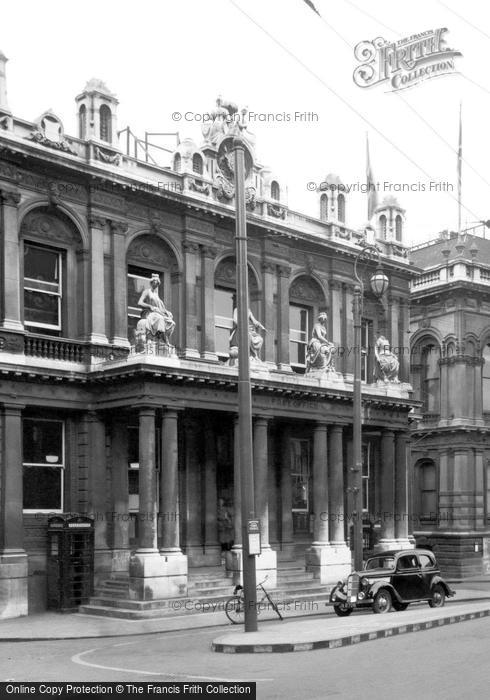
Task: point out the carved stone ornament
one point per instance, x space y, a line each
106 156
201 188
11 199
276 211
10 342
150 250
48 226
49 132
225 191
307 290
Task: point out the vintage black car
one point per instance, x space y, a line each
392 580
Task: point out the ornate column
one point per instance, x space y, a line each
268 274
336 487
98 492
283 318
97 288
387 477
120 494
190 320
266 562
169 513
401 490
212 547
13 558
119 284
10 267
336 322
194 495
208 341
234 561
287 542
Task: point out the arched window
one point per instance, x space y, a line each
430 379
105 123
275 190
324 207
177 162
197 164
341 208
486 377
82 122
427 491
398 227
382 226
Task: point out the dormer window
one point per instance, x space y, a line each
275 191
105 124
197 164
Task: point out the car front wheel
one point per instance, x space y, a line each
438 596
382 602
342 610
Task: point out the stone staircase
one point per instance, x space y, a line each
207 591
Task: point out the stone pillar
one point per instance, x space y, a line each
97 290
10 267
266 562
212 548
283 319
274 492
120 494
287 542
13 558
401 490
387 474
191 251
194 496
234 558
175 560
98 492
268 274
208 340
119 284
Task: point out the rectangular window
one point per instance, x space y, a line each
300 483
138 280
366 348
43 464
299 334
223 319
428 492
42 289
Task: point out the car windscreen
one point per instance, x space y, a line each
380 563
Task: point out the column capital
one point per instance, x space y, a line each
146 410
119 227
284 271
260 418
321 425
334 284
268 267
12 408
190 247
387 433
336 427
96 221
209 251
9 198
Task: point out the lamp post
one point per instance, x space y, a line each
235 162
379 285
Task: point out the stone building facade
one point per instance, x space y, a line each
143 440
450 360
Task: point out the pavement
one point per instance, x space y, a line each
296 629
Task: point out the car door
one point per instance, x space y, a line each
407 580
428 569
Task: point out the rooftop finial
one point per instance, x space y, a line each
4 107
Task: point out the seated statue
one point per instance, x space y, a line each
387 364
255 340
320 350
156 322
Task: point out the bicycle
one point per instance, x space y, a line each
235 606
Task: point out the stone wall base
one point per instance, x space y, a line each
329 563
154 575
460 555
13 585
203 556
265 565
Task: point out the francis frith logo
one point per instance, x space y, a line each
405 62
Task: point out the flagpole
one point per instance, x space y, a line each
460 157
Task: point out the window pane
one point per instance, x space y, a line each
429 477
41 308
222 340
42 439
42 488
223 302
428 505
41 264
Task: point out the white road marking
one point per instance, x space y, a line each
77 659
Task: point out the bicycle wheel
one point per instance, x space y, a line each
235 609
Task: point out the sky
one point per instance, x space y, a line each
276 57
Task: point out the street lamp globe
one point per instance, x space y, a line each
379 281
